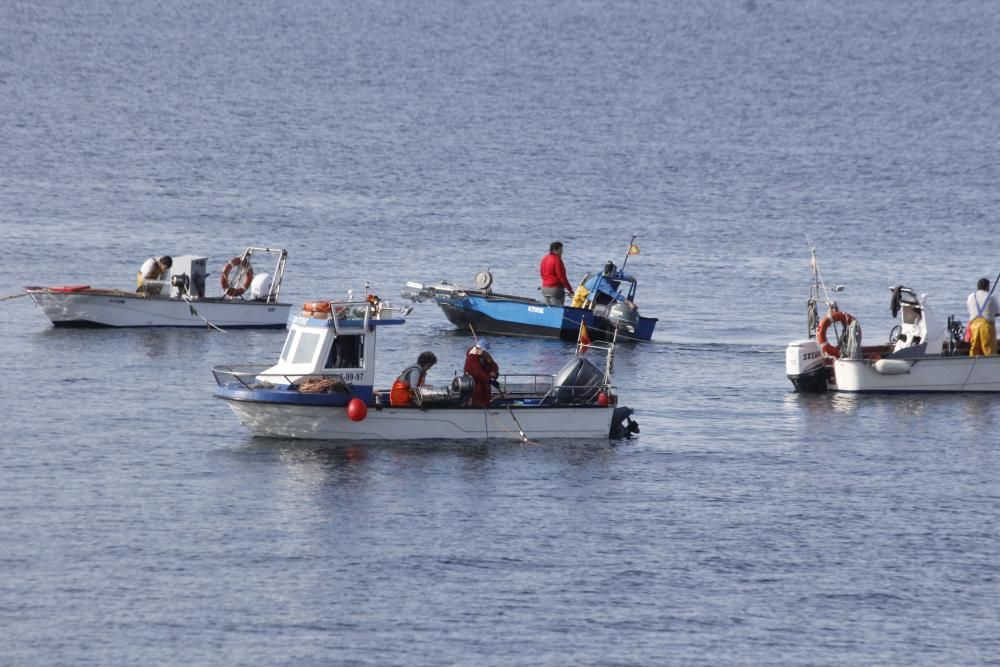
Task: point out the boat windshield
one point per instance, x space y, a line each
606 287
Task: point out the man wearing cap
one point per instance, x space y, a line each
479 365
553 272
152 269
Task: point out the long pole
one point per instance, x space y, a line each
629 251
520 430
993 287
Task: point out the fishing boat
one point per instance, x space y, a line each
178 299
323 387
604 302
922 352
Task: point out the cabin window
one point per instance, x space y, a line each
346 352
288 345
306 350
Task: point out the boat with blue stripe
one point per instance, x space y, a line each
323 387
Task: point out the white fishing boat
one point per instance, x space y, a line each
323 387
179 299
922 353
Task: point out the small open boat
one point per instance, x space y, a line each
323 387
604 303
179 300
922 353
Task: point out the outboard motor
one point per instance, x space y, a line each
622 424
805 367
625 316
579 380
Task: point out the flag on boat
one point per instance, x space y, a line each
633 249
583 339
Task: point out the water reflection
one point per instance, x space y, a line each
970 414
325 462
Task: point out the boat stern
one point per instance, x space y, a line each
805 366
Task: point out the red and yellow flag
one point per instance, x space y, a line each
633 249
583 339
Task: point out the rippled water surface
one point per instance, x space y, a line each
386 142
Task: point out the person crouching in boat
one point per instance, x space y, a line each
983 309
404 389
152 269
479 365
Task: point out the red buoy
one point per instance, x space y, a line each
356 410
602 399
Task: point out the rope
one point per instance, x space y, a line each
524 439
620 335
195 313
812 316
13 296
850 346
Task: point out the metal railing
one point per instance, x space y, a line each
514 387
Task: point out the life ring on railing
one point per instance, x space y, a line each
829 349
229 289
316 307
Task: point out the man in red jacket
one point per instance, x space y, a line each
554 282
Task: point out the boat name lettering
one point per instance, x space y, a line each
116 300
535 309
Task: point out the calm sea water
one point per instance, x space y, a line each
386 142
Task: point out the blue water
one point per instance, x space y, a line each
386 142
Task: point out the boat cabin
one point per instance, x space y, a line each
333 341
918 330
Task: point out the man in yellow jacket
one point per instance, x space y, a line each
982 307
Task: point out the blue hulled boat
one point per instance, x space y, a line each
604 302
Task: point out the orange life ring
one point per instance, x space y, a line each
316 306
230 290
824 324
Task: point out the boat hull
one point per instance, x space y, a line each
325 422
522 317
118 308
931 373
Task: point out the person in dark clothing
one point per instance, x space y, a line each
483 370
